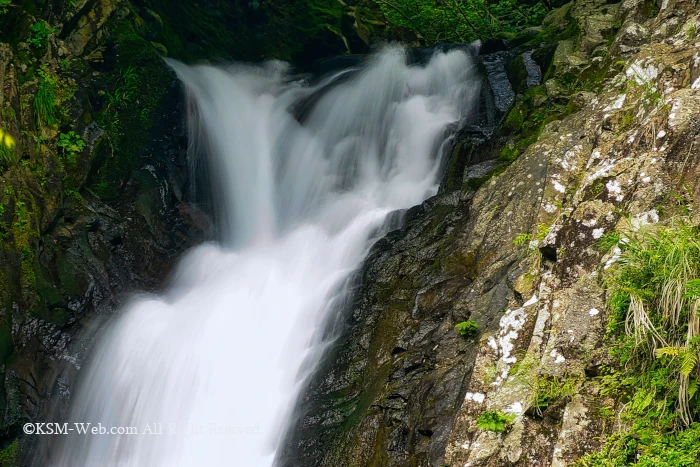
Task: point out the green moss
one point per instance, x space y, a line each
136 93
495 421
476 183
9 456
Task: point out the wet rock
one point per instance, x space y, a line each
539 303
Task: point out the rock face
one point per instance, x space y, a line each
93 205
519 256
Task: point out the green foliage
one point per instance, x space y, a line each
495 421
9 456
608 241
39 34
126 88
549 389
3 6
8 157
45 99
22 216
467 328
522 239
461 20
71 145
654 340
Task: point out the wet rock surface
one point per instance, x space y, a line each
518 254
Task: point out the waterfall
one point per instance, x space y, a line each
302 178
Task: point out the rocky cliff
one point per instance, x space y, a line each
514 248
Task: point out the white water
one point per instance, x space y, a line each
218 356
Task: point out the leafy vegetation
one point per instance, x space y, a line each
461 20
45 99
549 389
70 145
495 421
39 34
467 328
654 338
3 6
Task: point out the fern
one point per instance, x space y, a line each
690 359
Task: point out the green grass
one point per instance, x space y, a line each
45 99
653 337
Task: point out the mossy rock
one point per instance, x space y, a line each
517 74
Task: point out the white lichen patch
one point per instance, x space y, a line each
590 222
617 252
503 343
477 397
597 233
550 208
558 186
619 102
558 358
646 218
515 408
642 74
594 312
605 168
614 189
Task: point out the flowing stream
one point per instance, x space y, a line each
302 178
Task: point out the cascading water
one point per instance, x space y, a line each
212 367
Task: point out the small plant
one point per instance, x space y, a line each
71 145
39 33
549 389
497 421
608 241
3 6
467 328
22 215
127 86
542 232
522 239
45 99
73 194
